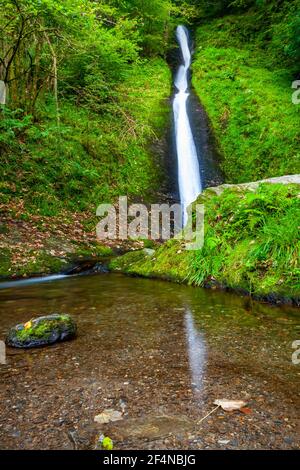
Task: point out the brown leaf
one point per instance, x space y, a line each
246 411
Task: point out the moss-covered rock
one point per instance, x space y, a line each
42 331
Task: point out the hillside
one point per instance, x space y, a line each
244 76
245 63
87 89
85 104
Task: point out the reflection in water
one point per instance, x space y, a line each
196 352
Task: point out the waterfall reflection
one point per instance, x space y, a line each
196 352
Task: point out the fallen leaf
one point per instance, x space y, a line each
108 415
28 325
246 411
230 405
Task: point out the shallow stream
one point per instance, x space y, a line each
159 353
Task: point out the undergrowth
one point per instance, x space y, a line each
89 158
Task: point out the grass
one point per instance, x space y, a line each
252 241
251 244
90 158
248 97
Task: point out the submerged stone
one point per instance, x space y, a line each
42 331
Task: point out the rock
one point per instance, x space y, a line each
150 427
42 331
149 251
253 185
223 442
108 415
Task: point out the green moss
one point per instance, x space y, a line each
41 330
251 244
93 250
41 262
5 262
247 94
35 332
149 244
169 262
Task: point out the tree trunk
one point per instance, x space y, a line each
55 79
3 92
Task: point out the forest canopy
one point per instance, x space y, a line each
82 48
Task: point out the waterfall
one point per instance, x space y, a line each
188 166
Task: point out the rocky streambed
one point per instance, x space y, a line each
158 355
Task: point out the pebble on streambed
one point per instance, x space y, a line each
42 331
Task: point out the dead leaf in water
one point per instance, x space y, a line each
28 325
230 405
108 415
246 411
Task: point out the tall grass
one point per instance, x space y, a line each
252 241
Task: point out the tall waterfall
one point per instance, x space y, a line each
188 167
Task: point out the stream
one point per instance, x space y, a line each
159 353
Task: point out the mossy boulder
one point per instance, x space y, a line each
42 331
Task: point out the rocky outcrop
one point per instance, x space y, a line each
253 186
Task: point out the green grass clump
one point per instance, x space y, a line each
252 241
247 94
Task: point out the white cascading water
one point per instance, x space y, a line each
188 166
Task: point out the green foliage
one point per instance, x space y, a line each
88 159
152 19
251 244
255 241
12 124
288 35
247 95
38 262
83 101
